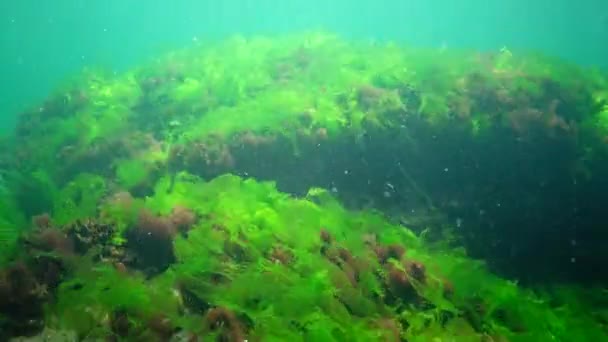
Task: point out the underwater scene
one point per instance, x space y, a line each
309 186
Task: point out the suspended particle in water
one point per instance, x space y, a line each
176 293
573 260
389 189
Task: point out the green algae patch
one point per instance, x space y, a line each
79 199
12 222
100 292
290 267
308 89
255 263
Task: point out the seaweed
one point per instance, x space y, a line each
304 188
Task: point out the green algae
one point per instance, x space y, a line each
264 85
309 296
259 252
79 199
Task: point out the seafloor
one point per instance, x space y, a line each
307 188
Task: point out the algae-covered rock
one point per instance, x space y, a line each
249 190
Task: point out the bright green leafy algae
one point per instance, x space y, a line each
259 254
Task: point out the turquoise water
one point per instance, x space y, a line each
42 43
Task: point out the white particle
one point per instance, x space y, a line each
573 260
345 172
446 169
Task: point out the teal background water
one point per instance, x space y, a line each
43 42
